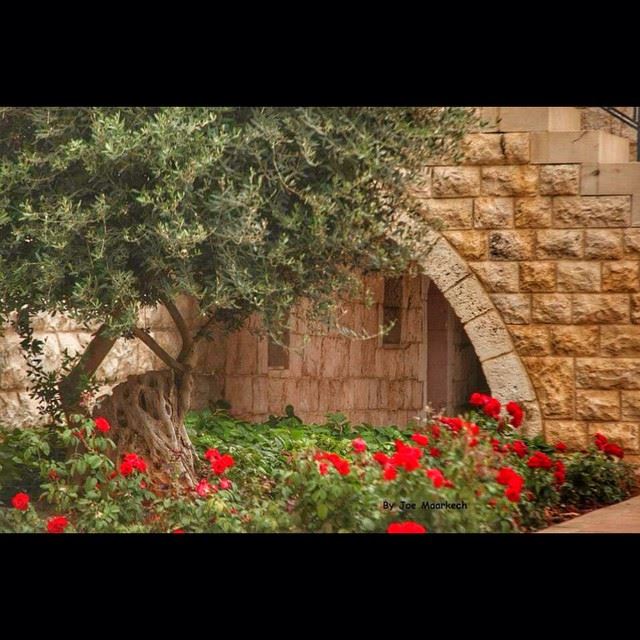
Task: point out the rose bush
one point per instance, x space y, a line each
471 473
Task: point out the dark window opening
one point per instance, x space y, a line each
392 311
278 357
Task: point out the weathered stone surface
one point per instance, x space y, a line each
630 405
574 341
496 148
444 266
558 244
593 308
551 307
489 336
623 433
497 276
471 245
532 212
593 404
578 276
608 373
531 340
631 241
553 381
620 340
510 245
509 379
532 425
468 299
572 433
560 179
591 211
602 244
510 181
452 213
635 308
493 213
515 308
623 275
537 276
455 181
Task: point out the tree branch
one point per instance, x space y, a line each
180 323
171 362
201 333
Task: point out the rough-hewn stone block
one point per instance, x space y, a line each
537 276
468 299
471 245
574 341
509 379
592 211
511 245
553 381
489 336
560 179
594 308
635 308
493 213
620 340
515 308
608 373
578 276
623 433
445 267
531 340
496 148
623 275
551 307
630 405
594 404
497 276
631 241
558 244
455 181
602 244
452 213
572 433
509 181
532 212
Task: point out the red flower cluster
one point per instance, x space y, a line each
436 476
519 448
359 445
560 472
20 501
513 481
455 424
561 447
421 439
57 524
406 527
516 413
219 463
540 460
435 452
132 462
203 488
490 406
340 464
102 425
608 447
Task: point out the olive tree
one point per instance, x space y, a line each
248 210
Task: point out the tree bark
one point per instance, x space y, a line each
147 414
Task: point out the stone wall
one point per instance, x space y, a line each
596 118
365 380
562 269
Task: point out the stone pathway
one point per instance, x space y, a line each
623 517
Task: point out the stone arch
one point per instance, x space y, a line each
505 373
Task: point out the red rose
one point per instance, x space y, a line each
323 468
540 460
600 441
512 493
561 447
473 442
516 413
20 501
448 483
613 450
126 468
381 458
520 448
479 399
492 408
359 445
435 431
221 464
435 452
203 487
435 475
102 425
455 424
342 467
406 527
211 454
57 524
420 439
178 531
559 473
140 465
505 474
390 472
497 446
225 484
406 457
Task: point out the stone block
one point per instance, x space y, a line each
537 276
635 308
572 433
489 336
455 182
511 245
509 379
495 148
630 405
592 211
515 308
551 308
557 243
452 213
622 275
560 179
510 181
594 404
608 373
471 245
603 244
553 380
445 267
620 340
532 212
493 213
497 276
574 341
624 434
531 340
468 299
631 242
578 276
594 308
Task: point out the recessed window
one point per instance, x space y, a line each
278 352
392 311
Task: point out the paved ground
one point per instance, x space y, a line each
623 517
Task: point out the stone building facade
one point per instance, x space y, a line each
531 290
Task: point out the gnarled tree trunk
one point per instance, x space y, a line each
147 414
